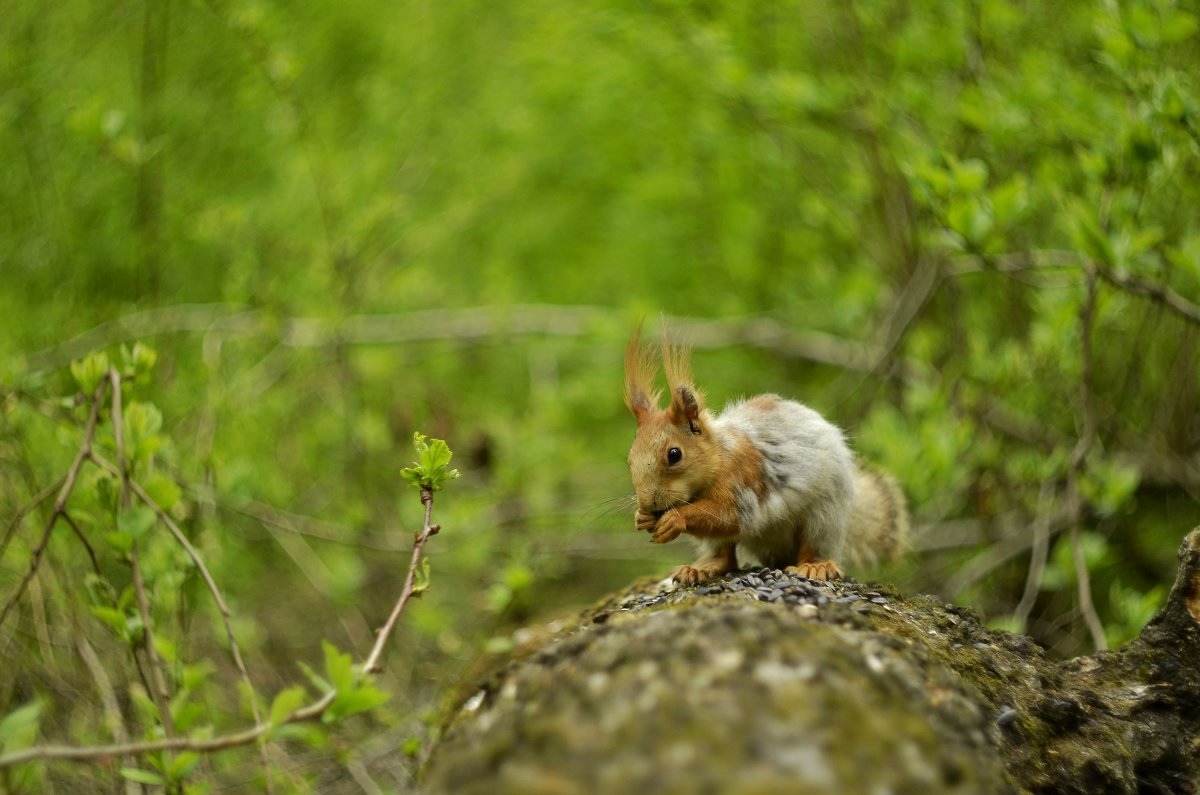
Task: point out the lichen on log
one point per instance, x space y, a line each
763 681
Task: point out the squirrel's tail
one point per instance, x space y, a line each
879 527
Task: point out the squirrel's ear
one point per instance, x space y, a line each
639 405
686 408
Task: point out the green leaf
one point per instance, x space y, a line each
1087 234
89 370
429 470
113 618
412 745
181 766
314 735
1010 200
338 667
195 674
970 175
136 521
360 699
189 715
421 578
971 219
137 361
1179 26
163 490
1108 485
142 776
143 421
121 542
320 682
19 728
285 703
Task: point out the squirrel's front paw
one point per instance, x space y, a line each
690 575
669 526
643 520
817 570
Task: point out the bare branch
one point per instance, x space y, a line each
1012 543
1038 555
1021 262
83 540
159 691
907 308
373 665
222 606
260 729
108 698
64 493
24 511
307 526
1087 439
1158 293
222 742
209 580
475 323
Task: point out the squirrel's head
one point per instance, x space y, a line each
674 455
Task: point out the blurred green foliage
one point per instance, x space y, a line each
971 226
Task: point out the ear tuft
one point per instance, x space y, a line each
687 404
640 370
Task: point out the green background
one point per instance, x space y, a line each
964 231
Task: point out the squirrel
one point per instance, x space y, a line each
767 476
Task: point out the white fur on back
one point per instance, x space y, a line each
809 473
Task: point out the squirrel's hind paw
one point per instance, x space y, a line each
817 570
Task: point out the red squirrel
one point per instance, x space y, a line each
769 478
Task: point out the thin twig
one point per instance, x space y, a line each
64 493
300 525
373 665
209 580
1011 543
24 511
108 698
906 310
320 577
358 772
1038 555
159 691
1158 293
260 729
1078 457
83 540
1043 260
462 325
222 606
118 423
222 742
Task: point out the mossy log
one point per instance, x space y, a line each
762 682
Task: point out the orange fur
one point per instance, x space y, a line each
696 490
640 369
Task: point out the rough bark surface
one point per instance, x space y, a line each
764 682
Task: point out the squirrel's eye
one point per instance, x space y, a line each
674 456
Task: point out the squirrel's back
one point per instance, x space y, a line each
809 475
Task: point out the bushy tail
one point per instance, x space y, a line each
879 527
